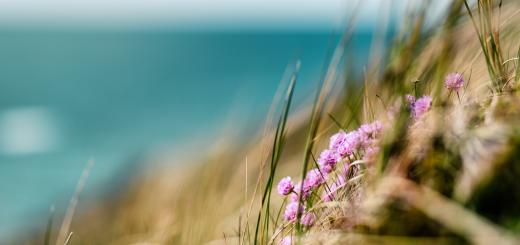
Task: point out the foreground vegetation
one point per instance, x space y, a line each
425 150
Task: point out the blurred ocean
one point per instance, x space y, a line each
115 97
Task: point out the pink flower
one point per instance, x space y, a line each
337 139
421 106
350 144
371 129
308 219
313 179
285 186
454 82
327 160
365 140
286 240
368 133
326 169
306 193
291 211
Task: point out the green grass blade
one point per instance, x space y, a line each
275 157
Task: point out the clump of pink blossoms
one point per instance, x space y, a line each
337 139
328 159
308 219
419 107
344 147
350 144
454 82
292 210
313 179
306 192
285 186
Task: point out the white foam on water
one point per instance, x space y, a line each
28 130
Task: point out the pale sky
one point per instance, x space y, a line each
181 13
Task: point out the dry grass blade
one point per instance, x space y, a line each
489 40
67 220
69 238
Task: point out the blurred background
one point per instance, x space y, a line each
124 82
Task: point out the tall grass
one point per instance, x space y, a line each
448 175
435 173
276 151
488 35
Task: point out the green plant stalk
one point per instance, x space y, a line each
275 156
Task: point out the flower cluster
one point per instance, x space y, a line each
292 210
285 186
454 82
338 163
418 107
344 148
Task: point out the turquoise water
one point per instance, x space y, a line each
115 97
